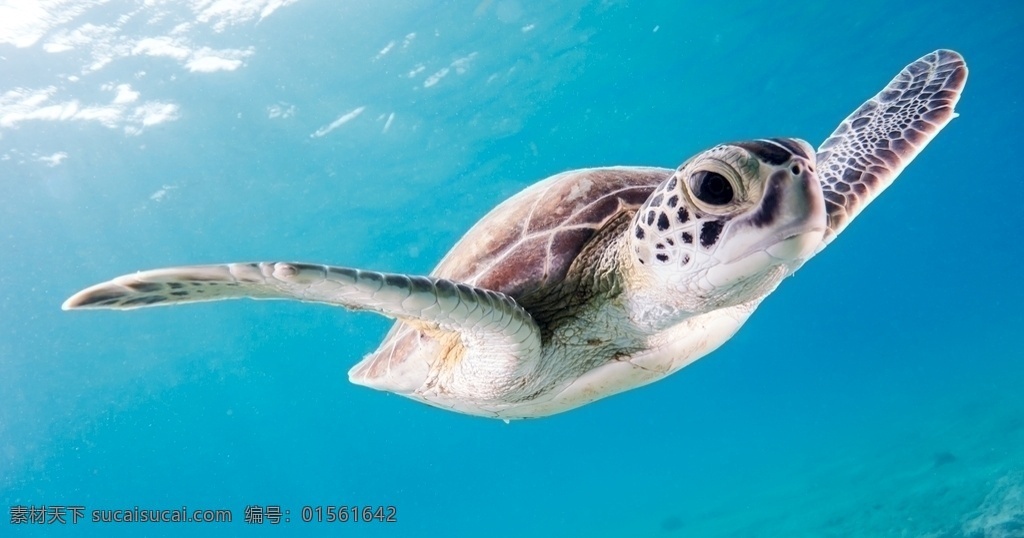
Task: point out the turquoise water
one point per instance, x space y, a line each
877 393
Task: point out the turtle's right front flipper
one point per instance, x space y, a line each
481 317
875 143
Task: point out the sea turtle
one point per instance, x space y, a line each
596 281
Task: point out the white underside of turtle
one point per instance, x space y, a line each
597 281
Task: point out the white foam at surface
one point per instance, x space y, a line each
161 193
280 110
387 48
462 64
436 77
155 113
459 65
21 105
209 64
125 94
202 59
108 116
342 120
220 14
419 68
25 22
55 26
54 159
162 46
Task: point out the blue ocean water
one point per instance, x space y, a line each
876 393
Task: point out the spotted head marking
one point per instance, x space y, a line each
730 215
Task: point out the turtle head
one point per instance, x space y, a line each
729 224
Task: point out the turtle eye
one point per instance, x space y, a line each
711 187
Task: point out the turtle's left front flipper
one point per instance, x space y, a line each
482 317
875 143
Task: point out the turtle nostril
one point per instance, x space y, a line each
795 169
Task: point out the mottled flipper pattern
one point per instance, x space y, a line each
482 317
873 145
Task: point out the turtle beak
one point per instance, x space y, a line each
790 220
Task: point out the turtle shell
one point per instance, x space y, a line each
527 243
523 247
